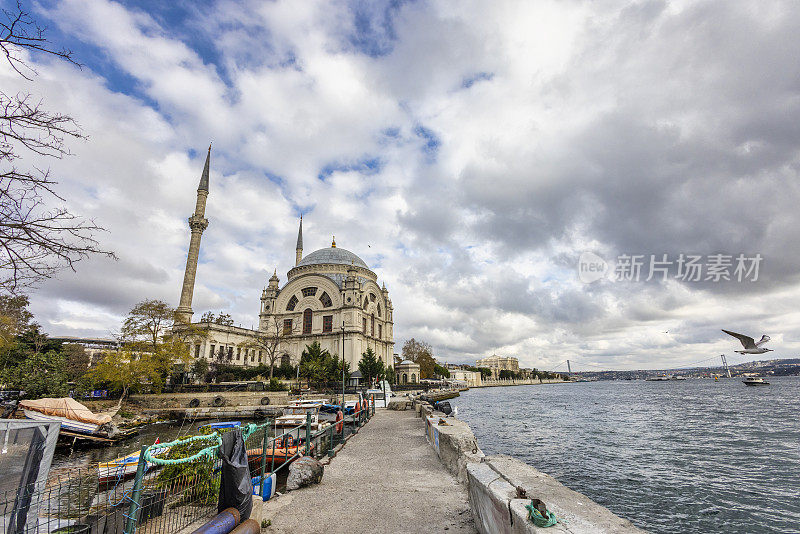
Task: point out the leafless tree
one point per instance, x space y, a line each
270 340
36 239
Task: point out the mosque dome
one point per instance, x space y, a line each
332 255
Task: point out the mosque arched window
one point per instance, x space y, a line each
372 297
413 378
307 318
309 291
292 303
325 299
373 326
366 303
379 310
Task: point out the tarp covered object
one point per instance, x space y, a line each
236 488
68 408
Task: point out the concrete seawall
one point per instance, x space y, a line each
499 487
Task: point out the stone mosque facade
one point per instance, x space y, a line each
331 296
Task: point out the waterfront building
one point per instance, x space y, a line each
406 372
469 378
498 363
331 296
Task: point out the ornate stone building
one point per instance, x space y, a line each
498 363
331 296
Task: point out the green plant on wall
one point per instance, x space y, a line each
195 481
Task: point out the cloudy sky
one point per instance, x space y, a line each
470 152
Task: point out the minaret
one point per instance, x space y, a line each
299 248
197 223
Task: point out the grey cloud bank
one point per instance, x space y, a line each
612 127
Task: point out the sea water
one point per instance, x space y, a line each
679 456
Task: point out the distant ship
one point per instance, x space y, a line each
661 378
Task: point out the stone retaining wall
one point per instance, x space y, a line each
500 486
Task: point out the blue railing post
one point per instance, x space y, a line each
308 433
136 494
263 460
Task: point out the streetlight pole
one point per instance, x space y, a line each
342 365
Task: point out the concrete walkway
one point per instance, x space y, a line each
386 479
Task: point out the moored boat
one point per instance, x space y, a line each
122 467
296 414
284 450
73 416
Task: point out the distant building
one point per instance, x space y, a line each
498 363
406 372
469 378
93 346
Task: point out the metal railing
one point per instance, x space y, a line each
164 498
180 499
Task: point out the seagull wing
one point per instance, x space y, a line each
763 340
747 341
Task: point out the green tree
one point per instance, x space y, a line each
14 318
146 324
127 372
76 360
370 366
40 374
315 363
200 369
420 353
441 371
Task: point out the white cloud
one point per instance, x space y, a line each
478 150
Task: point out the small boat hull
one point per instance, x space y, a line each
280 455
755 383
122 467
67 424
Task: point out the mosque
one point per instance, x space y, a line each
331 296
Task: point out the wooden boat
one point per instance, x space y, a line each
122 467
281 454
72 415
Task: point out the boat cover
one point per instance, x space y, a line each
66 407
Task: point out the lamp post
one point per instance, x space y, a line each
342 365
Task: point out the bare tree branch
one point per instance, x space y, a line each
36 239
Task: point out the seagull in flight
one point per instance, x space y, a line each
750 345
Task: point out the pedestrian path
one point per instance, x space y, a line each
387 478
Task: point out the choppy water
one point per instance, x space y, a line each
680 456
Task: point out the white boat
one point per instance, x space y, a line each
381 395
296 414
73 416
755 381
661 378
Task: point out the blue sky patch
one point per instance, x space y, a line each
432 142
469 81
366 166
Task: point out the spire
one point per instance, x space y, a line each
204 178
333 242
299 248
300 235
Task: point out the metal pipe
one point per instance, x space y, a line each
248 526
222 523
